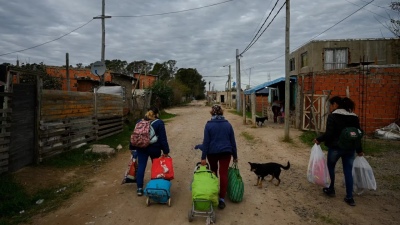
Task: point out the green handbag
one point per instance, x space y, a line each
235 184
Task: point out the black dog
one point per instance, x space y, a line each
260 120
264 169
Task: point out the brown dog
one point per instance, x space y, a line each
264 169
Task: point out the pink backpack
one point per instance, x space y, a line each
143 135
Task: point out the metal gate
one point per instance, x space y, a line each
315 112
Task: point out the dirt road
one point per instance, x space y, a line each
295 201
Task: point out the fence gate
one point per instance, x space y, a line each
315 112
22 146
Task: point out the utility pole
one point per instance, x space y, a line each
67 71
287 71
229 97
238 97
103 35
250 75
230 89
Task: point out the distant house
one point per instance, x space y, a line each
143 81
266 92
227 98
82 80
366 70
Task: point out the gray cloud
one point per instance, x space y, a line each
205 39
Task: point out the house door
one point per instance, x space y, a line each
272 93
315 112
222 98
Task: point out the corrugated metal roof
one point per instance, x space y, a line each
263 85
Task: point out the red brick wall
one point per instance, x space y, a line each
75 73
145 81
260 102
376 94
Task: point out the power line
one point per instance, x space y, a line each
48 41
323 31
264 29
180 11
216 76
340 21
261 26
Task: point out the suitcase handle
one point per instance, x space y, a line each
199 164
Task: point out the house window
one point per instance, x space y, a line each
233 97
335 58
304 59
292 64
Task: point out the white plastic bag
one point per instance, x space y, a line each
317 172
363 176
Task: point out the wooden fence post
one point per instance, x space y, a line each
39 90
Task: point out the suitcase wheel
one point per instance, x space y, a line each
190 216
148 201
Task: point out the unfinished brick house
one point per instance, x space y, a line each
366 70
82 80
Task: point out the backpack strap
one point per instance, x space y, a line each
153 128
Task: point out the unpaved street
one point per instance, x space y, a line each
295 201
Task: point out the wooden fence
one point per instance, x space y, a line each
5 132
36 123
71 119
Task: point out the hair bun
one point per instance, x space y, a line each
216 110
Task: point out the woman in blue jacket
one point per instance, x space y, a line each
153 150
219 146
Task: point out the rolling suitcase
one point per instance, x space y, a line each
158 191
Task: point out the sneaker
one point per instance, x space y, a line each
329 192
350 201
221 204
139 191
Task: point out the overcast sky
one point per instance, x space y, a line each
201 34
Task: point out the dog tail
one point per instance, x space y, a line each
286 167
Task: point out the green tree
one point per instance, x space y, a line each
161 94
116 65
193 80
179 91
165 70
141 66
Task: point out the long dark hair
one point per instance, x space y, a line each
335 99
347 104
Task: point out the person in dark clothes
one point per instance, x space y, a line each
219 146
276 108
153 150
341 116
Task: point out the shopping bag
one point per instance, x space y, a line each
162 168
317 171
130 173
235 184
363 176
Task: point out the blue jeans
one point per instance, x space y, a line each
142 157
347 162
